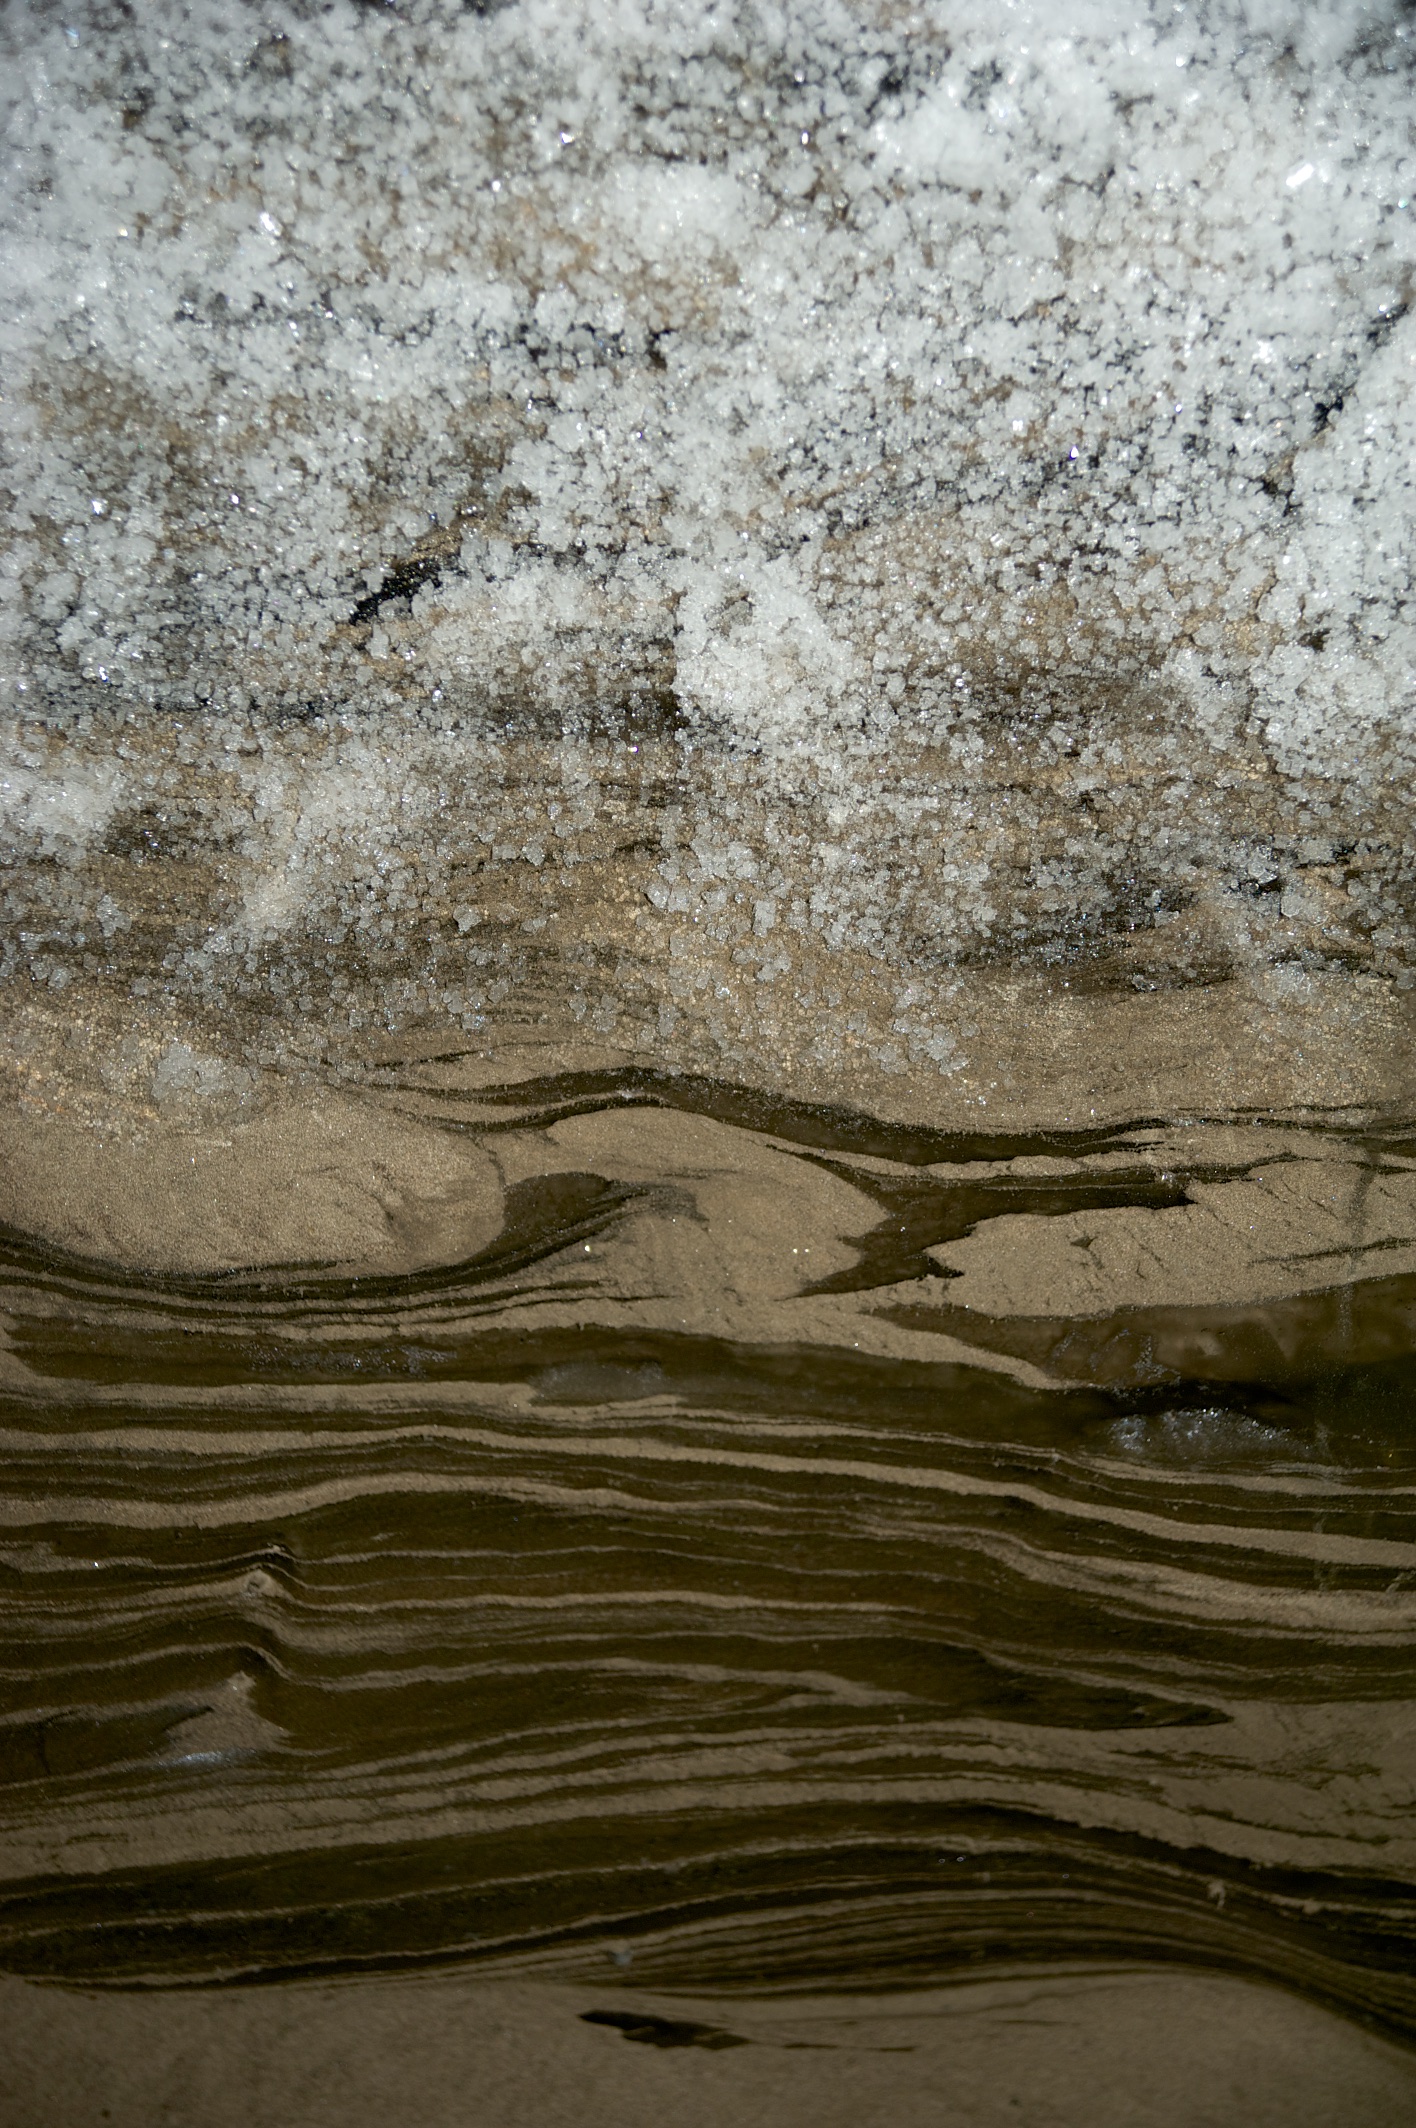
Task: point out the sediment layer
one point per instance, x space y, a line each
764 1555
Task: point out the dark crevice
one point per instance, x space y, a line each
662 2031
402 581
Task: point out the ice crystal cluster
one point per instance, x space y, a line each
636 505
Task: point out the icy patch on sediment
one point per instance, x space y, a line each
53 807
981 438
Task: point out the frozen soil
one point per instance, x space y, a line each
699 523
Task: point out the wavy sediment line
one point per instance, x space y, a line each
357 1618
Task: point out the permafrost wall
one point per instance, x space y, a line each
709 1270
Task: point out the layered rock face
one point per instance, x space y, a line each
707 957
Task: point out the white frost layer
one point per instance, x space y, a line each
868 367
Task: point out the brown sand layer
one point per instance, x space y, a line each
1098 2049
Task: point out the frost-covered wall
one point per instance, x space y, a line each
933 483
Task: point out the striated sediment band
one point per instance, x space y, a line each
791 1549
